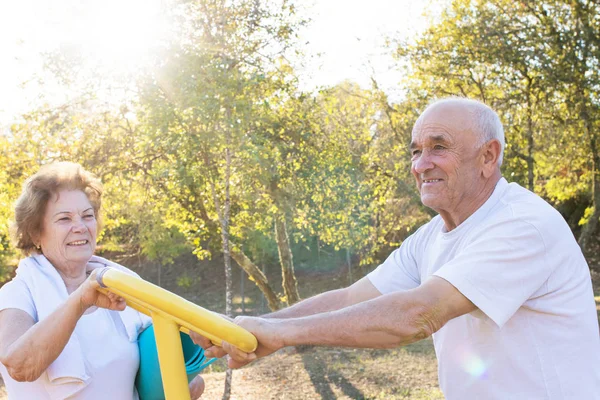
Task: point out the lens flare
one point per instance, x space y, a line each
475 366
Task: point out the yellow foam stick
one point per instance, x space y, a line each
149 298
170 314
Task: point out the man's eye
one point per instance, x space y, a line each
438 147
89 216
416 152
64 219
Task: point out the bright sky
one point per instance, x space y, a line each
344 41
347 38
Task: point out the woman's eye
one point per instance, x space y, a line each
64 219
89 216
416 152
438 147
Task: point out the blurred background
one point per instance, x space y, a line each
278 131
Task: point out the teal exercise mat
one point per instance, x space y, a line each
149 380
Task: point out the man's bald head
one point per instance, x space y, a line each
469 115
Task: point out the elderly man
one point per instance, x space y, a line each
497 278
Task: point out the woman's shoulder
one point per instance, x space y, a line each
16 286
16 294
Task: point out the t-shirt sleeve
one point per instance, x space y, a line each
16 294
500 269
399 272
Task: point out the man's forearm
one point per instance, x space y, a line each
384 322
333 300
324 302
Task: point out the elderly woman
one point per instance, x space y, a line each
59 337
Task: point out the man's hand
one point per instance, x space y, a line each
210 350
266 331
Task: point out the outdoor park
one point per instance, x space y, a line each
256 153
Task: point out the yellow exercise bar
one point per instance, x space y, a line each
170 314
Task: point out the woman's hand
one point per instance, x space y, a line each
90 296
196 387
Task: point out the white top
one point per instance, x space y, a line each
110 357
535 333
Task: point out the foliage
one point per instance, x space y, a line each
220 115
533 62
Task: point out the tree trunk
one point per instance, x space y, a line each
227 390
290 285
587 115
591 228
224 217
530 140
243 295
228 290
257 276
159 272
349 262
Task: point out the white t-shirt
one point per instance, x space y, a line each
112 359
535 333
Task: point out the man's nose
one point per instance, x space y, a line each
423 163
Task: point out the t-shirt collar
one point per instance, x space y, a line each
481 211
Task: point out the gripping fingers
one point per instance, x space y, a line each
117 302
200 340
210 349
237 357
214 352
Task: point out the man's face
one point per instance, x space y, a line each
445 160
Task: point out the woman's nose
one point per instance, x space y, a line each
78 225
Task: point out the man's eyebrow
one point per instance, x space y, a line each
434 139
438 138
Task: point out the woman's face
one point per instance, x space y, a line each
69 229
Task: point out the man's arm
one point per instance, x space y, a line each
392 320
360 291
387 321
333 300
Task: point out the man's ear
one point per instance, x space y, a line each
491 154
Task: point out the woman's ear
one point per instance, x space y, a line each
35 239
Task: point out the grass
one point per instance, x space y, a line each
331 373
335 373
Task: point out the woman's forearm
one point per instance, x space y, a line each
33 352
